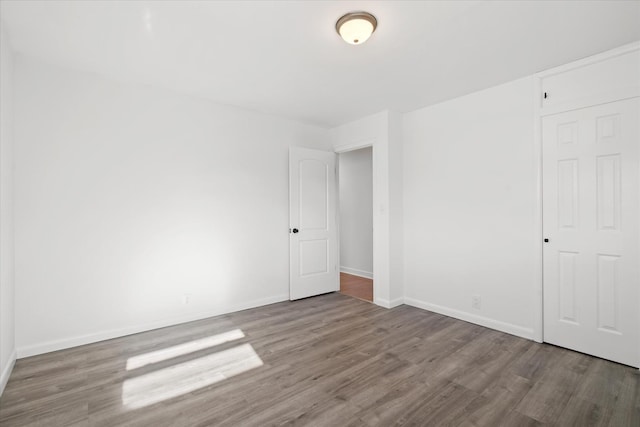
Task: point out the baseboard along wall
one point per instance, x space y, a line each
356 272
487 322
46 347
6 372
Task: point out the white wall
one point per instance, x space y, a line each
7 324
356 212
469 207
129 197
381 131
396 207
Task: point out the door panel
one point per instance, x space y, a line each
312 215
591 218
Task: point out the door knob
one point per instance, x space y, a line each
294 231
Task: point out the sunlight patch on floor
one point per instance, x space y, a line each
182 349
182 378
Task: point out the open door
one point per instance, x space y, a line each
313 237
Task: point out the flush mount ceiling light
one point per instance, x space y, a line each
356 27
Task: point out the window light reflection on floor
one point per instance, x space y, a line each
182 349
182 378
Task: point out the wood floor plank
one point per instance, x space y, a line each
626 412
548 397
498 400
324 361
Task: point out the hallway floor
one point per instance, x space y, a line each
356 286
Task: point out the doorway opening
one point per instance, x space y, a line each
355 189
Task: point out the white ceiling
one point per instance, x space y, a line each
285 58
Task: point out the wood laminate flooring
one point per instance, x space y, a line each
324 361
356 286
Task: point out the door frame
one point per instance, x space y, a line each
366 143
540 112
381 131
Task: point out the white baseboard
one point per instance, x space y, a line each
46 347
473 318
356 272
6 372
388 304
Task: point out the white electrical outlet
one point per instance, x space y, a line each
186 298
475 302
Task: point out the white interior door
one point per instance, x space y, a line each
591 218
313 237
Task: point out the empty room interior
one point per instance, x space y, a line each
323 213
